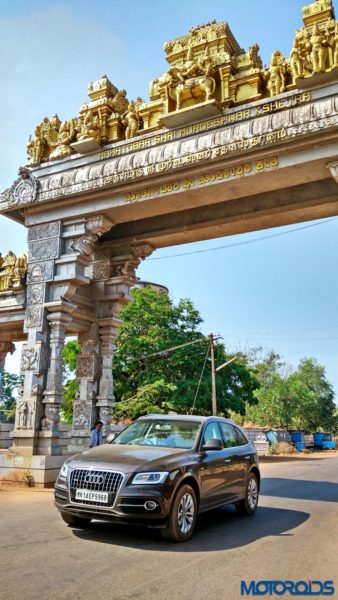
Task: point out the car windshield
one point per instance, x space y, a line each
159 432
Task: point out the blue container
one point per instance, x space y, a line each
300 446
297 436
324 441
318 439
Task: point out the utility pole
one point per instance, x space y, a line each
213 375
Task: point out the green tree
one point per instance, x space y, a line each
151 398
313 397
9 383
301 398
70 386
151 324
274 402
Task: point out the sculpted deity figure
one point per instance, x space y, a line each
23 415
19 271
90 126
255 59
296 61
7 271
335 48
65 136
190 67
132 120
318 51
205 64
276 74
36 146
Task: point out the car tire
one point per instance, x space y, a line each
249 504
182 517
74 521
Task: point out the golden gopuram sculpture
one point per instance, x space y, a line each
13 271
208 73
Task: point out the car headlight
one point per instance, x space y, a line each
63 471
154 477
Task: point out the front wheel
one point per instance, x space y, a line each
249 504
74 521
183 515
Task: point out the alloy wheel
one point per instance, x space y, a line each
252 493
186 513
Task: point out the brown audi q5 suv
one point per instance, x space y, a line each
161 471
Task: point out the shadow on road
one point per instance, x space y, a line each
325 491
219 529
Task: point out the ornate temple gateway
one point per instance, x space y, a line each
223 146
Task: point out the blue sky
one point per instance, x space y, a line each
280 292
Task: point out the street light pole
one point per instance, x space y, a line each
213 376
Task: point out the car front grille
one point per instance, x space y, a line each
96 481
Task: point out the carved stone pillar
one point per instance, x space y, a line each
53 395
114 277
34 364
87 373
105 400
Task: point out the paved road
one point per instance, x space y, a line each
294 535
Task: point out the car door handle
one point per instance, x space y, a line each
227 460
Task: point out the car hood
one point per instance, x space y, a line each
128 458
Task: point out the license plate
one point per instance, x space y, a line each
93 496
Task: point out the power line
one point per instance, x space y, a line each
258 338
169 349
199 383
244 242
239 332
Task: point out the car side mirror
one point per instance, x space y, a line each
213 444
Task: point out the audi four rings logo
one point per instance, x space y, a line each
96 479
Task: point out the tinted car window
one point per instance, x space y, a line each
242 441
229 435
211 432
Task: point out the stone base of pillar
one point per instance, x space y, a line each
49 444
23 443
78 443
44 443
32 471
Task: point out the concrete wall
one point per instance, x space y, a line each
283 435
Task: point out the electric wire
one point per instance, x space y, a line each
244 242
200 379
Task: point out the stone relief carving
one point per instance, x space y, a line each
84 244
35 359
88 366
29 359
23 412
100 271
82 413
33 317
23 191
42 271
35 294
50 417
43 249
46 231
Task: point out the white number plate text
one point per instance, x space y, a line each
93 496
